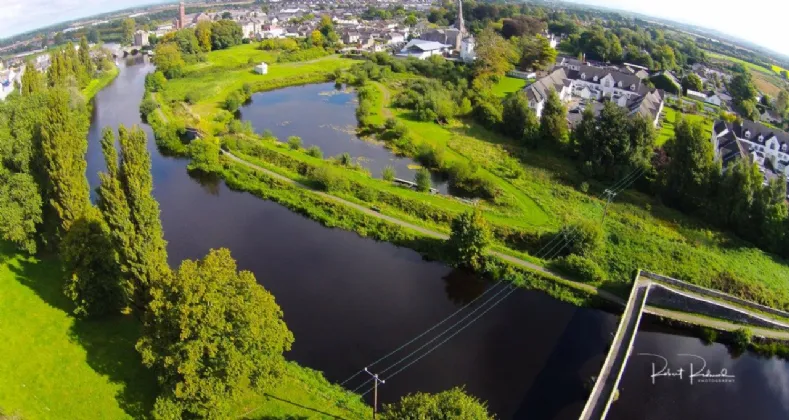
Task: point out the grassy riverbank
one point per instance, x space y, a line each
96 85
54 366
536 193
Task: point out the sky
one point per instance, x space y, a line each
19 16
760 21
763 22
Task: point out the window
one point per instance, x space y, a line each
595 78
583 76
783 147
620 83
761 138
632 87
747 134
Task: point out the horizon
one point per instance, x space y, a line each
19 20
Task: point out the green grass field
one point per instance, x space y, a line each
54 366
667 130
508 85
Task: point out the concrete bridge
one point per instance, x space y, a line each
607 381
723 312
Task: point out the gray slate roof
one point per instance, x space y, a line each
538 90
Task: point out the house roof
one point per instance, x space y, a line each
590 72
425 45
538 91
728 133
648 105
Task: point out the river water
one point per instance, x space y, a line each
350 300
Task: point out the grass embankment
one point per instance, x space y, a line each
541 190
96 85
508 85
54 366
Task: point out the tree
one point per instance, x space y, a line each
692 82
522 25
92 273
155 81
739 187
770 211
132 214
422 180
454 404
64 144
536 52
494 55
553 122
212 334
225 34
94 36
469 239
32 80
294 142
585 237
691 166
411 20
127 31
227 15
781 102
88 68
20 209
168 60
203 33
316 38
388 173
518 119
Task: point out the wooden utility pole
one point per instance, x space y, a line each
375 390
610 194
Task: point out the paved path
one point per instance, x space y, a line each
387 99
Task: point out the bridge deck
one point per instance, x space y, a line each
605 387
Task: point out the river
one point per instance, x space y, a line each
350 300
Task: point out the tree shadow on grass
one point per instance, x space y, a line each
109 342
295 404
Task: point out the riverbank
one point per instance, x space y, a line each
96 85
56 366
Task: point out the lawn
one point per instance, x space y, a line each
53 366
667 130
508 85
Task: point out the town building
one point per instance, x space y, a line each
422 49
692 94
141 39
589 83
180 21
768 147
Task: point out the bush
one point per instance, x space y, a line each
742 338
234 101
192 97
147 106
205 156
294 142
708 335
469 238
315 152
431 157
302 55
389 173
345 159
581 268
585 237
329 180
422 180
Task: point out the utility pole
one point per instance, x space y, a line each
375 390
610 194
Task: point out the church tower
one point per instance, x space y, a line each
460 25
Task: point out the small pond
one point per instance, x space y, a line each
324 116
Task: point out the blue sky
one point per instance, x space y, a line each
760 21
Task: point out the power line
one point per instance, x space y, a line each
611 192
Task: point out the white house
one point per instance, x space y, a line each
733 141
537 92
423 49
261 68
395 38
467 53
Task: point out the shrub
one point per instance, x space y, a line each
315 152
294 142
205 156
708 335
192 97
422 180
742 338
581 268
389 173
147 106
345 159
585 237
233 102
302 55
431 157
329 180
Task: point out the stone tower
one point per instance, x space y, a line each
181 15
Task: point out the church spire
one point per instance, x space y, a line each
459 24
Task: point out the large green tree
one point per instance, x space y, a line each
692 82
469 238
494 55
92 272
132 214
225 34
518 119
64 131
127 31
454 404
739 187
691 168
536 52
553 121
212 334
203 34
32 80
168 60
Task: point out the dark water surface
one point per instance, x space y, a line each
325 117
350 300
